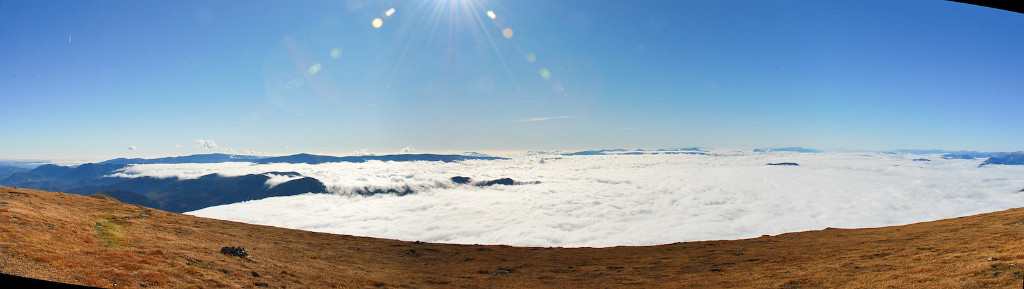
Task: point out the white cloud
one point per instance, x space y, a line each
621 199
206 144
132 148
179 146
408 149
363 152
544 118
277 179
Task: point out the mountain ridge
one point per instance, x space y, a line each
182 195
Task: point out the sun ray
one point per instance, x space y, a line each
420 26
497 51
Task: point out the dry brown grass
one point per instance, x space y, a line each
101 242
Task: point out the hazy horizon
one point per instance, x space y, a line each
498 153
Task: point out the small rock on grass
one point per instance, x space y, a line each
234 251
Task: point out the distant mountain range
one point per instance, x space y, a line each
593 152
6 171
298 159
695 151
787 149
177 195
318 159
1016 158
196 159
48 176
964 155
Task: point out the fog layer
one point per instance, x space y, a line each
609 200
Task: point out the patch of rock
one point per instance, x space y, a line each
234 251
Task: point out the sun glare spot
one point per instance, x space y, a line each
295 84
545 73
336 53
389 12
377 22
530 57
315 68
558 88
491 14
507 32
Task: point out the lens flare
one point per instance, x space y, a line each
545 73
336 53
377 23
315 68
491 14
530 57
507 32
389 12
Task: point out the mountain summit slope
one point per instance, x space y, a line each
98 241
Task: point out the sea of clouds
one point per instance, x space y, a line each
610 200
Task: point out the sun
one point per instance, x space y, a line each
445 23
458 9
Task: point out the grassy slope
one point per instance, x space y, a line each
101 242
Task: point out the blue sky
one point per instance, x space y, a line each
88 79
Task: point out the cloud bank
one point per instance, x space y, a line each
206 144
608 200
